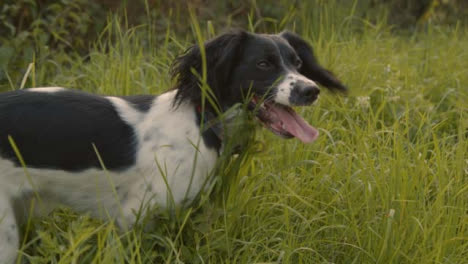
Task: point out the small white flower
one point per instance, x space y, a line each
391 213
363 101
388 68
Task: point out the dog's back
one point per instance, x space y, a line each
56 130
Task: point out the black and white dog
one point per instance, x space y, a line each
108 155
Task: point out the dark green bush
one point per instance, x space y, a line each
410 13
30 30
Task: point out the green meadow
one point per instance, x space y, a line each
386 181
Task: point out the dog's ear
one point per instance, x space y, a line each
221 53
310 67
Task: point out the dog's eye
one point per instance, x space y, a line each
263 64
298 63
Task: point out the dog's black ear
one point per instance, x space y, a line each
310 66
221 54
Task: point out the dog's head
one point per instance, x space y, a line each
272 72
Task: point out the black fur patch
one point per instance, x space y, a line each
222 55
210 138
140 102
310 67
57 130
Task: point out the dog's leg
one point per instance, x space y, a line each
9 235
127 218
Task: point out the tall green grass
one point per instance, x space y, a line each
386 182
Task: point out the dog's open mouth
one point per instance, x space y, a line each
284 121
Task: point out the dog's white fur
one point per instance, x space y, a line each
286 86
162 174
46 89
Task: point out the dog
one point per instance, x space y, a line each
108 155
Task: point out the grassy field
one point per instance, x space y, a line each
386 182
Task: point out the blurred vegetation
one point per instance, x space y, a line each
397 145
409 13
31 30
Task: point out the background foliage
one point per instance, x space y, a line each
31 29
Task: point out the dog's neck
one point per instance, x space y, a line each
211 128
218 128
210 122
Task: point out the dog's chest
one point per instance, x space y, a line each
172 160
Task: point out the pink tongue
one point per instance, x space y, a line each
295 124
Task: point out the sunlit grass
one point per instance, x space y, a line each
386 182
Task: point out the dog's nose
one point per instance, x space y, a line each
308 93
304 93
